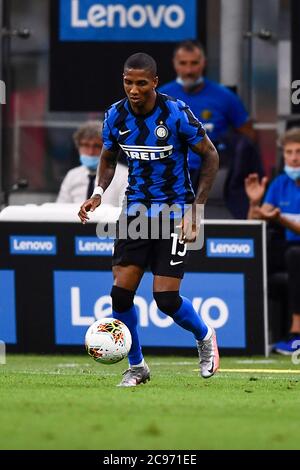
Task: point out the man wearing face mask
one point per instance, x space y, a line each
79 182
282 205
219 110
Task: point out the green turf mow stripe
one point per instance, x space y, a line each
71 402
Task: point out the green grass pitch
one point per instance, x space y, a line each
71 402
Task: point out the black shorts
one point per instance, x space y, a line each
164 257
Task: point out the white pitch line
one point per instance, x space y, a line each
261 371
264 371
71 364
62 373
175 363
255 361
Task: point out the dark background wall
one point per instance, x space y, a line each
87 76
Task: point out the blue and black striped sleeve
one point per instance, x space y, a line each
190 127
109 140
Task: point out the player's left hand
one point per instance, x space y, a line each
190 226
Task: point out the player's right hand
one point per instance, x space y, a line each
88 206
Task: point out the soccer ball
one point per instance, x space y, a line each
108 340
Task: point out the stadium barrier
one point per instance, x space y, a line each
55 280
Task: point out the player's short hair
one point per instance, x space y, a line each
88 130
190 45
141 61
290 136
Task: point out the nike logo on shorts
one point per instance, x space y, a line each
124 132
173 263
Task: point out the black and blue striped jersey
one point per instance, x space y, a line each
156 146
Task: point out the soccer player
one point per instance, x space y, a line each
155 131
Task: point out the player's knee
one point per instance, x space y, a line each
122 299
168 302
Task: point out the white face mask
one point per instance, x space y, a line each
89 161
292 172
189 83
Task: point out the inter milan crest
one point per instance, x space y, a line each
161 132
206 114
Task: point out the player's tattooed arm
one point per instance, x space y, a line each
209 168
107 168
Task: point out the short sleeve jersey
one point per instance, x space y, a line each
156 146
284 193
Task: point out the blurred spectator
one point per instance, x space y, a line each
238 158
220 110
79 182
281 205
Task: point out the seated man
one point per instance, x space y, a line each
238 158
227 124
282 206
79 182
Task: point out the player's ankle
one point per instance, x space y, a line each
208 334
140 364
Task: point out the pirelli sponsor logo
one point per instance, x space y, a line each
141 152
